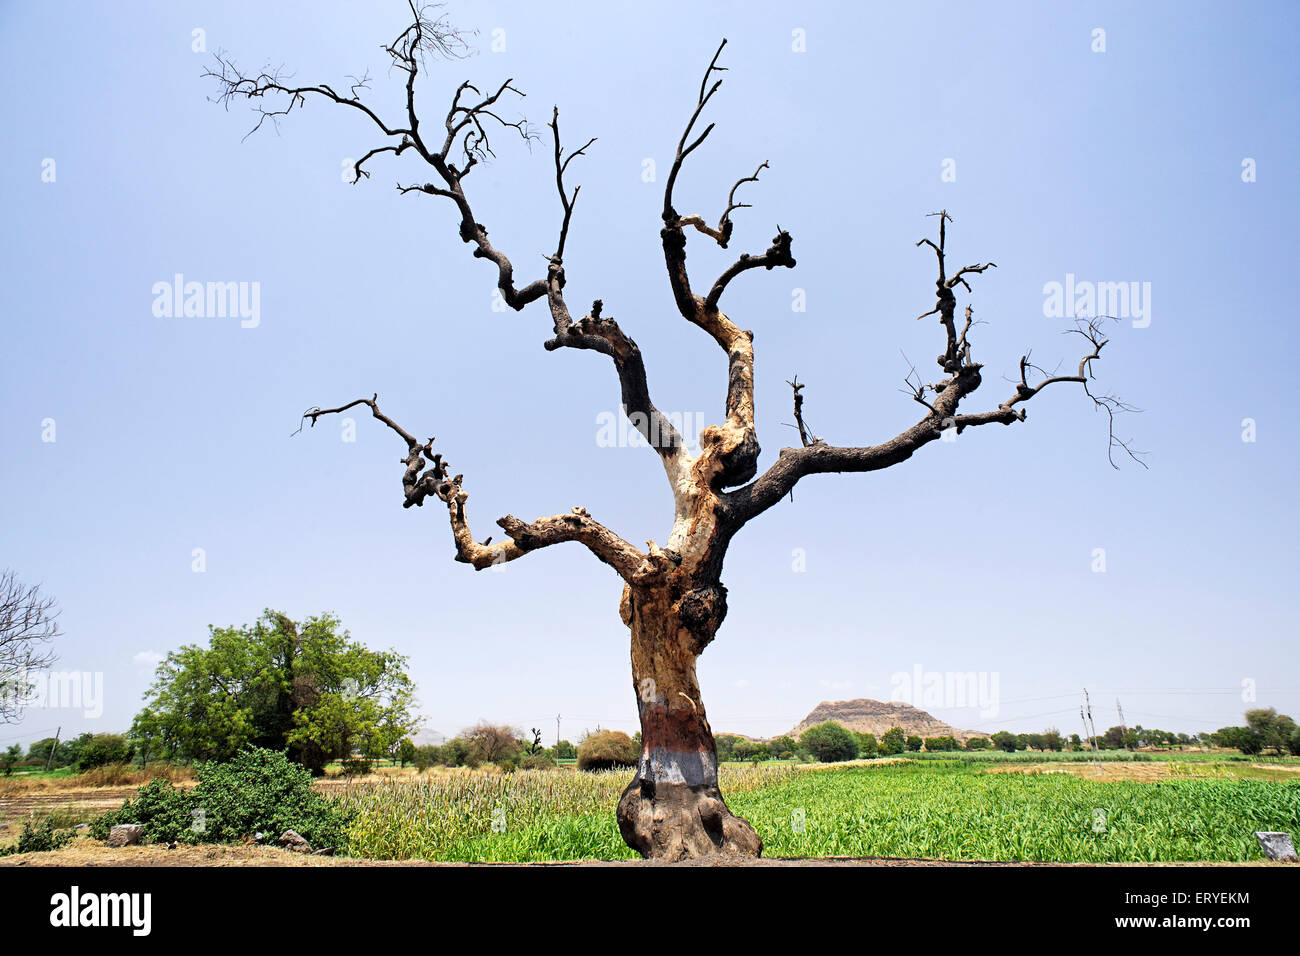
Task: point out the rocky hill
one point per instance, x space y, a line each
866 716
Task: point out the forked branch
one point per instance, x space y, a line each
522 537
940 399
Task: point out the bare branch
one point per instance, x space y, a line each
777 254
561 164
805 434
963 378
683 150
522 537
28 623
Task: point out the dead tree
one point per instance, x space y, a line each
673 598
27 626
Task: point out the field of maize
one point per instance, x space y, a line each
939 809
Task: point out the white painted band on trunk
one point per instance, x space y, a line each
692 768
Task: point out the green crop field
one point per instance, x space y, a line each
954 809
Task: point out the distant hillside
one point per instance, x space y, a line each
866 716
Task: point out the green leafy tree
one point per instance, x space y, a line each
98 750
913 743
406 751
892 742
782 745
454 753
978 743
829 742
726 744
1245 739
307 689
38 754
564 750
1005 741
10 758
1112 739
750 750
1273 729
868 746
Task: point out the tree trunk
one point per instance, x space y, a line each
673 809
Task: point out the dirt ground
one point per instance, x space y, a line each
87 852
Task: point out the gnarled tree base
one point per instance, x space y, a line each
675 821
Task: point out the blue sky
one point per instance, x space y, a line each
976 556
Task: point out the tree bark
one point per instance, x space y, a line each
673 809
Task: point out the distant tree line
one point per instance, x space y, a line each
509 749
85 752
1265 730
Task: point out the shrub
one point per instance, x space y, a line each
453 753
829 742
258 791
607 750
982 743
36 839
538 761
356 766
103 749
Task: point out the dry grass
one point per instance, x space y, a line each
113 775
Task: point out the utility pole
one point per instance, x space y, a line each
1090 728
53 748
557 730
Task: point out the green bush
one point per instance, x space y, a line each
103 749
36 839
258 791
829 742
356 766
538 761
